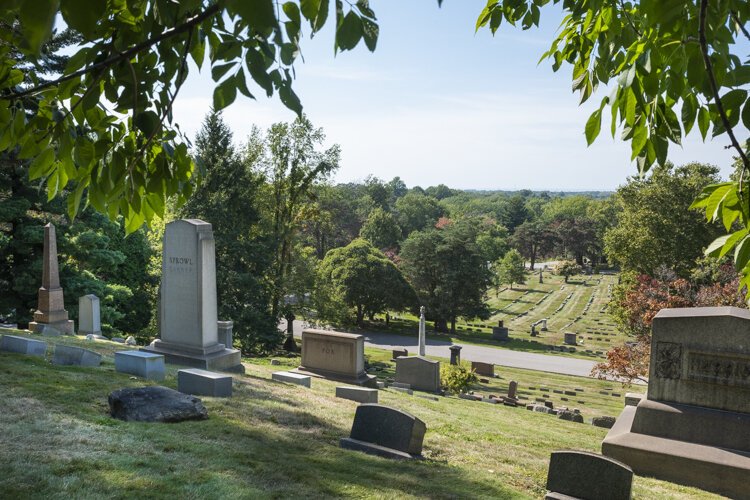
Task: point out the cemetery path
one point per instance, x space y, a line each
497 356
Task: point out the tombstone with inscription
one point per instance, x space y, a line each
693 427
51 314
187 308
419 373
336 356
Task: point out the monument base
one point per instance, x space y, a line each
376 449
711 468
65 327
364 379
216 358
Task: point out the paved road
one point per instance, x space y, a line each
503 357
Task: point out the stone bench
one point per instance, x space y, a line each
386 432
22 345
75 356
292 378
204 383
142 364
359 394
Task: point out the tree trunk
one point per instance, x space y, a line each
453 324
441 325
360 315
566 278
290 317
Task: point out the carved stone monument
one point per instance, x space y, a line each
51 308
335 356
693 427
187 309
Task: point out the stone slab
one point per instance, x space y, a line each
359 394
710 468
155 404
585 475
22 345
292 378
204 383
75 356
335 356
420 373
389 428
142 364
89 315
220 359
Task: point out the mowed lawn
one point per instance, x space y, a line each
273 440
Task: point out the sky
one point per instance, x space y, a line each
438 103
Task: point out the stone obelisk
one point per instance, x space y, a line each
51 316
422 339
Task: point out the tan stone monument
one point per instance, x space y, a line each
51 316
188 324
693 427
335 356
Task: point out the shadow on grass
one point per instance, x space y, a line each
256 444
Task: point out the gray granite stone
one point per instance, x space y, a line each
359 394
385 431
584 475
292 378
89 315
142 364
76 356
420 373
22 345
204 383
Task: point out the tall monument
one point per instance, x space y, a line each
422 333
188 323
51 308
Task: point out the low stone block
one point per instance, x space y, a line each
632 399
604 421
480 368
401 385
155 404
359 394
142 364
292 378
204 383
75 356
404 390
570 416
580 474
22 345
385 431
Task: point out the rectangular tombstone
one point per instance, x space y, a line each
336 356
75 356
188 323
292 378
89 315
571 338
580 474
204 383
359 394
22 345
420 373
693 427
486 369
141 364
500 333
387 432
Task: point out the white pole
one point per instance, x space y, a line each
422 336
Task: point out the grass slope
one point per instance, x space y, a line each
272 440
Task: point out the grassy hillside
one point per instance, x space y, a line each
273 440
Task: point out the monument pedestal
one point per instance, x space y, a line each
216 357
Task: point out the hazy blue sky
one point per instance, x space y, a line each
437 103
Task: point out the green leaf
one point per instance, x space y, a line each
83 153
310 8
640 136
37 18
722 245
224 94
593 126
746 114
370 32
42 163
290 99
74 201
198 48
219 70
742 255
350 32
688 112
704 120
259 14
83 15
147 122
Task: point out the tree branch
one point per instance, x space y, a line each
128 54
714 86
739 24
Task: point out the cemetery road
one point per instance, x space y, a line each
498 356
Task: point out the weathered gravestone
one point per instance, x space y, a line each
335 356
693 427
155 404
499 332
75 356
22 345
359 394
187 308
588 476
486 369
570 338
387 432
89 315
50 314
512 388
420 373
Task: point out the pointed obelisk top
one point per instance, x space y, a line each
50 272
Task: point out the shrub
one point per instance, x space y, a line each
457 378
